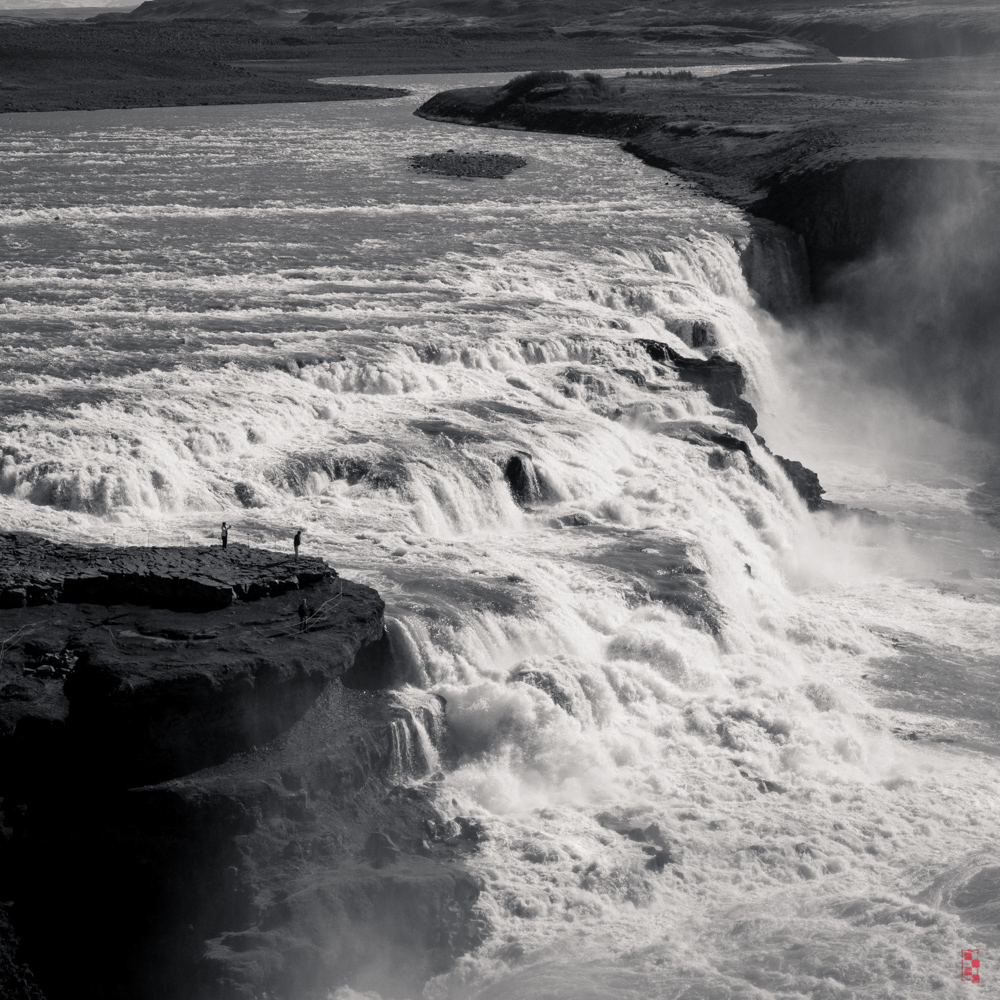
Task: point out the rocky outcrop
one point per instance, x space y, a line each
34 571
806 484
188 789
478 164
254 877
721 378
481 106
524 481
151 688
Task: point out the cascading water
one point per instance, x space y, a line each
417 735
672 692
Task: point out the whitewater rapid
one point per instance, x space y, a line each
262 315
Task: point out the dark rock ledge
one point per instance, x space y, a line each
724 382
198 786
721 378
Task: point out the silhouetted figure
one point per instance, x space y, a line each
746 566
303 613
297 541
225 534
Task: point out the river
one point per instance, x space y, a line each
720 747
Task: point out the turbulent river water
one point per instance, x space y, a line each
783 784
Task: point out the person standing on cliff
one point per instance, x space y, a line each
225 534
297 541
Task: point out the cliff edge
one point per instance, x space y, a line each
887 173
843 154
206 789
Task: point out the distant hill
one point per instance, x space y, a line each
170 52
36 8
908 28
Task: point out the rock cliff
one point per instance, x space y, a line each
808 147
190 795
883 177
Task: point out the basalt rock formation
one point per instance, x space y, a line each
189 792
142 664
35 571
523 479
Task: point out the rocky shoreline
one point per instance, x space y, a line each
873 192
200 772
803 146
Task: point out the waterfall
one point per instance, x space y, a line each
674 696
417 735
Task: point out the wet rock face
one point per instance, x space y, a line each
187 791
142 691
547 681
247 495
806 483
452 164
724 383
775 265
296 471
659 849
523 479
723 380
283 872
